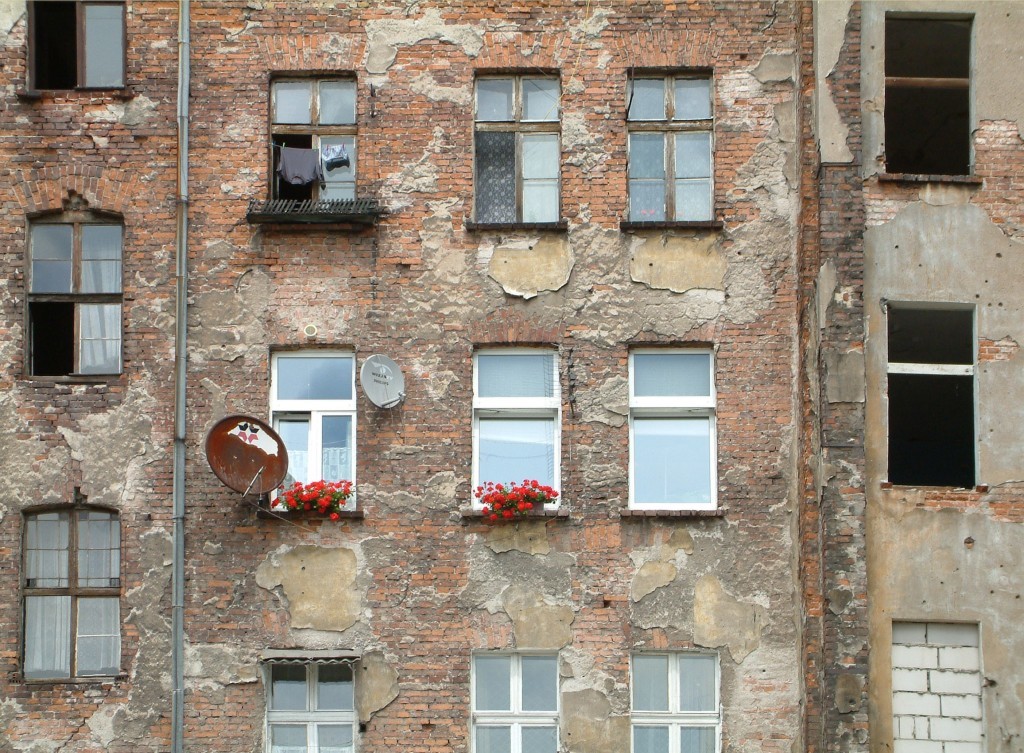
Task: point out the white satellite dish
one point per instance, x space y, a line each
382 381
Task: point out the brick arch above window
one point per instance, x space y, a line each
51 189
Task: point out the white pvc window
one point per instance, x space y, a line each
515 703
72 562
516 412
675 703
673 463
671 152
313 408
310 708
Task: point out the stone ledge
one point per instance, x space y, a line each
633 513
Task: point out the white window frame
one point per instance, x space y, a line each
669 127
315 410
698 406
515 717
518 407
311 718
674 718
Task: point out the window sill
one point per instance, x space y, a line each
329 212
655 513
265 513
483 226
631 225
963 180
91 680
74 379
980 488
35 95
473 513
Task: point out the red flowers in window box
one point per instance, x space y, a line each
505 502
325 497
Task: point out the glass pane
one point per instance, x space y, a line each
294 432
650 739
647 99
51 258
540 156
693 98
671 374
98 549
99 338
671 460
693 200
288 687
539 739
697 740
540 683
646 155
515 374
514 449
334 687
650 683
693 155
336 460
338 154
288 738
493 678
46 543
494 98
540 99
101 259
104 45
314 378
647 200
493 740
334 738
495 177
47 636
540 201
697 683
292 101
99 637
337 102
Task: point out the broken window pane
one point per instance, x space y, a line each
292 102
647 99
495 176
54 45
931 336
494 99
52 338
104 45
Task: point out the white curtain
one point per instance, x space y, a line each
47 636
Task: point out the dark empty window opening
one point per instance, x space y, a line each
927 96
76 44
931 397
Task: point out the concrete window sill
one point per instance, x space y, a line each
962 180
473 514
481 226
639 513
628 225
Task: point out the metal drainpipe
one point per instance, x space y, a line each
180 362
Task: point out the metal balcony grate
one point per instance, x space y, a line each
359 211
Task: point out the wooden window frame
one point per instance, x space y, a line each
80 45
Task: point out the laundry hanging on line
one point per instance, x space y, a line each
300 166
335 156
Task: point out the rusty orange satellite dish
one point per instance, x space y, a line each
246 454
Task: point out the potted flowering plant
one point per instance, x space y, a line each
325 497
504 502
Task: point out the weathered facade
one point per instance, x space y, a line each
495 198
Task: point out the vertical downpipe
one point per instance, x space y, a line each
180 362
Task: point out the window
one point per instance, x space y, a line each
72 594
310 707
675 705
936 688
314 125
931 396
76 44
672 429
74 301
518 156
313 409
670 149
515 416
927 95
515 703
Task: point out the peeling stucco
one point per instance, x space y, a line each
844 376
537 621
830 19
608 404
216 664
650 577
317 585
10 12
377 685
589 725
678 263
775 68
528 536
387 35
526 268
720 619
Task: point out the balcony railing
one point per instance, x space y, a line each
327 211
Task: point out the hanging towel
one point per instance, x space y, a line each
335 156
300 166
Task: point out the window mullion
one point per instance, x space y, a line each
670 173
314 465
